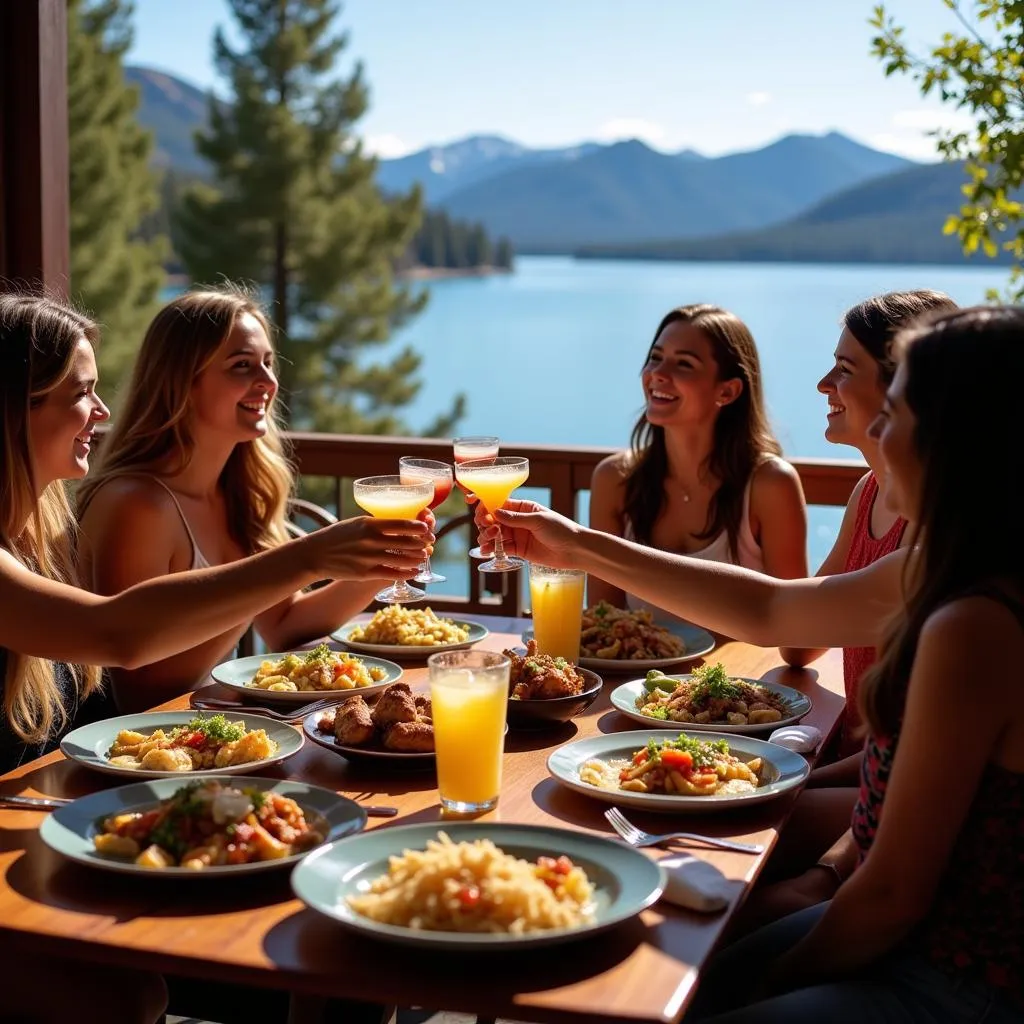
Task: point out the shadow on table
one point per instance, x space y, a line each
309 943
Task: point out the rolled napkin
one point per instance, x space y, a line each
695 884
801 738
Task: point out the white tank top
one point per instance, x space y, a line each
748 551
198 558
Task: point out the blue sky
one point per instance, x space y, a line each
717 76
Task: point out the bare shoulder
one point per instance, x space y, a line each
775 480
129 503
612 471
982 637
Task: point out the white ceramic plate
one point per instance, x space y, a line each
625 880
699 642
238 674
624 697
477 632
783 770
70 829
89 744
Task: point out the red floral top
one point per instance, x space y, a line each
864 549
976 920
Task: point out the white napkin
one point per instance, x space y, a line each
801 738
695 884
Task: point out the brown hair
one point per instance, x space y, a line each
742 438
875 321
38 341
153 427
972 360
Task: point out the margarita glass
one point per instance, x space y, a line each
467 448
439 474
468 699
387 497
492 481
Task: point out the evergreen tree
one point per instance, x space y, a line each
115 273
294 207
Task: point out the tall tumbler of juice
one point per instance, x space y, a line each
556 596
469 695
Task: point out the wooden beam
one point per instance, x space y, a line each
34 200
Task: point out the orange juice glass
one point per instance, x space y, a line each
469 695
556 596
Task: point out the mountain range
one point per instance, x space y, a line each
802 197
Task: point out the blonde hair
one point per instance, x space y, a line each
38 341
153 427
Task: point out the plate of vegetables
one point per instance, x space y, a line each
710 700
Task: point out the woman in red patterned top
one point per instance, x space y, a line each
926 921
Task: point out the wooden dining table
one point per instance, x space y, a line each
253 931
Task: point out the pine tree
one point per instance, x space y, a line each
115 273
294 208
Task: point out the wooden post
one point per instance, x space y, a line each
34 201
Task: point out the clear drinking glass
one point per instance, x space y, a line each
469 697
556 597
387 497
413 470
492 481
467 448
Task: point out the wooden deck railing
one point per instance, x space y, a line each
564 472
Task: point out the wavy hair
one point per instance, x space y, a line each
38 341
153 429
970 360
742 438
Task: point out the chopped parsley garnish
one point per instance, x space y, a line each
703 752
218 729
661 711
712 682
319 653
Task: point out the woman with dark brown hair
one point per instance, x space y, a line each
703 475
926 916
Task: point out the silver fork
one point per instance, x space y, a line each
637 837
294 715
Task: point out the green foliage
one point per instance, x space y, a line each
980 71
455 244
116 273
293 206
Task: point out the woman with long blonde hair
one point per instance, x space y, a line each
52 630
194 473
702 475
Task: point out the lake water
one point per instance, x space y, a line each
552 352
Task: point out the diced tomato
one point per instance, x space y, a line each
563 865
676 759
640 756
469 896
342 669
197 741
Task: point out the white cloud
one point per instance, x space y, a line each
632 128
759 99
910 131
387 147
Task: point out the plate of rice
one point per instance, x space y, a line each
398 631
477 886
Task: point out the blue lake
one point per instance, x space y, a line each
552 352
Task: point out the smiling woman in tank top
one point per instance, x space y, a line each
194 473
703 475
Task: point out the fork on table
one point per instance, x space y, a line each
628 832
292 715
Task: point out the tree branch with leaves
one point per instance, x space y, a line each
979 70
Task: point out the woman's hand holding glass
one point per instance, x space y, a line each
530 531
365 548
